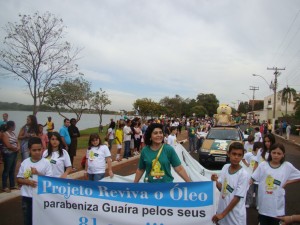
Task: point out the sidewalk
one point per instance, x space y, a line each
294 139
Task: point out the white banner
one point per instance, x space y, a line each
65 201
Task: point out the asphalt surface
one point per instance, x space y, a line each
11 212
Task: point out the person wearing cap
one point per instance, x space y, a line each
50 126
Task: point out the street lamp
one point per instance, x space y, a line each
269 85
272 86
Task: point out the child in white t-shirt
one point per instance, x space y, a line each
172 138
263 153
34 165
58 157
97 156
233 184
257 135
272 176
249 160
249 143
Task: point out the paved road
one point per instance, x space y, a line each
11 212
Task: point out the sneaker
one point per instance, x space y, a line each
195 151
257 207
247 206
7 190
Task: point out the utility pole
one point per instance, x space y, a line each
274 87
252 88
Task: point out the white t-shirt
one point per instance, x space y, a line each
271 195
137 133
259 158
172 140
42 166
96 157
233 185
126 131
250 159
257 137
248 146
58 164
111 133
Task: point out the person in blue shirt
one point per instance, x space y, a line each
64 133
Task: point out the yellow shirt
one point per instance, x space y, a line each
119 136
50 126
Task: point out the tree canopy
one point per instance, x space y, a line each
71 93
177 106
99 101
209 102
34 51
287 94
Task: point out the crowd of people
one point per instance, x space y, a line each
268 174
52 154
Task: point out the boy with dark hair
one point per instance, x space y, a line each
34 165
233 184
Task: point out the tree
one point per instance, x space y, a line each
297 107
199 110
287 94
34 51
147 107
71 93
173 106
209 101
244 107
99 102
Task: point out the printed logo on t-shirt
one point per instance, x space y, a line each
156 171
252 163
27 173
226 188
53 161
270 184
91 155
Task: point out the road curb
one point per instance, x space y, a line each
291 141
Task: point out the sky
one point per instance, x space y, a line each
135 49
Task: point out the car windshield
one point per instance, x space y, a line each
223 134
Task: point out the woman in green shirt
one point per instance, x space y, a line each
157 158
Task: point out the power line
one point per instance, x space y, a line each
285 36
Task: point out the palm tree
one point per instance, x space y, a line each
297 104
286 96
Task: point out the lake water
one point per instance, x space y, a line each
86 121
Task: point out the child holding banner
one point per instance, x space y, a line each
273 176
233 184
96 156
34 165
57 156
